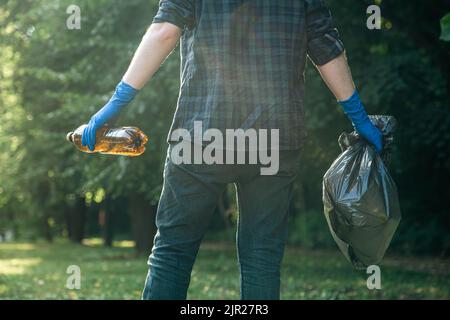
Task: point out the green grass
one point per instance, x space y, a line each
38 271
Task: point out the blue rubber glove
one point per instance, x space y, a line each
354 109
123 95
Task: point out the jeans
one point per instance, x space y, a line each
189 196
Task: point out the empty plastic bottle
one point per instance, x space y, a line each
125 141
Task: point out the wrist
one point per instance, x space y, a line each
122 96
351 104
125 92
354 109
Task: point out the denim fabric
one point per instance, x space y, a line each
242 62
189 197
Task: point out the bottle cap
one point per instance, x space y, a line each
69 137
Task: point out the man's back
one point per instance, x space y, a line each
243 62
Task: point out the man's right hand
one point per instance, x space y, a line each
354 109
371 133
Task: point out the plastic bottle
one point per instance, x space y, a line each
125 141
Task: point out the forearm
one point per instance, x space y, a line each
158 42
337 76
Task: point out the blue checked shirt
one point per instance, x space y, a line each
242 62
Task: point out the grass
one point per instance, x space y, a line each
38 271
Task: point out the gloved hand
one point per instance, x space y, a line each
354 109
123 95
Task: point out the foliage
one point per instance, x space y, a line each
308 232
53 79
445 27
61 79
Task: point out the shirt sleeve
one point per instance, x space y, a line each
178 12
323 38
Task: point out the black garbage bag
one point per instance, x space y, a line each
360 197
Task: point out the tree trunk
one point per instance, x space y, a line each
225 211
142 223
300 200
47 229
107 223
76 220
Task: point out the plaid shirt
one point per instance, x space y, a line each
242 62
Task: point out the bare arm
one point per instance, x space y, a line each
158 42
326 50
336 74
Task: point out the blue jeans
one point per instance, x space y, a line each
189 196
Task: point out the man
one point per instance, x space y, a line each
242 66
